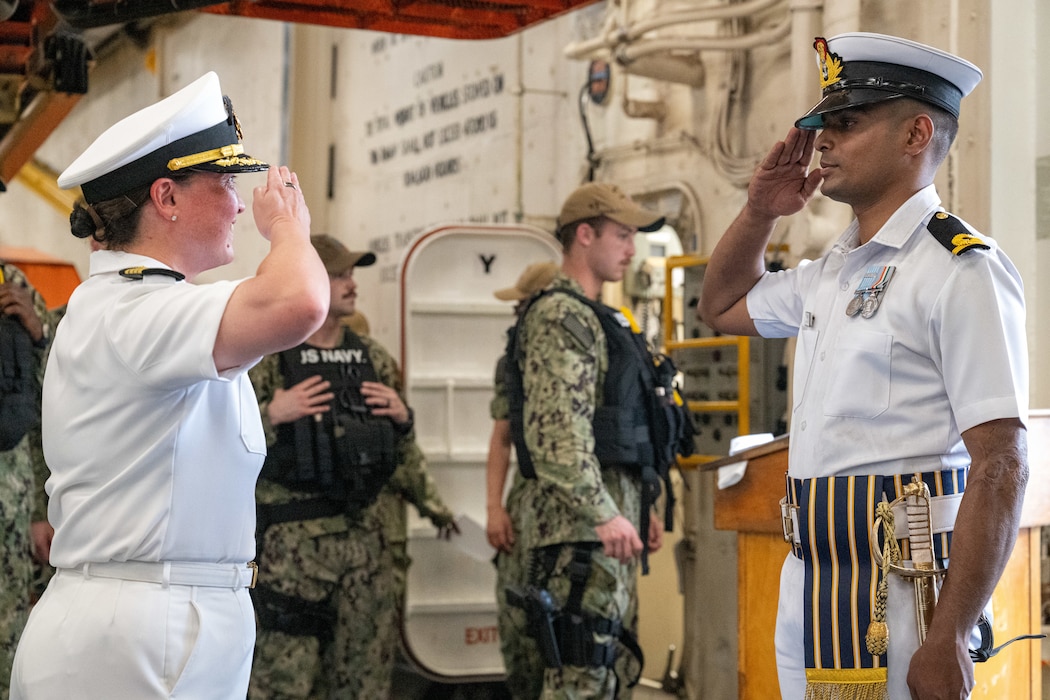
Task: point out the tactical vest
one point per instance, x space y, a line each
19 387
640 426
346 454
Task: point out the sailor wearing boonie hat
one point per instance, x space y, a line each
150 426
888 386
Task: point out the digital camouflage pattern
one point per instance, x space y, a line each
20 502
356 567
565 360
521 658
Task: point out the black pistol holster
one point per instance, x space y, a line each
292 615
285 613
566 635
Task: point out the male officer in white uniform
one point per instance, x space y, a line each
911 360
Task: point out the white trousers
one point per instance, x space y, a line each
790 633
104 639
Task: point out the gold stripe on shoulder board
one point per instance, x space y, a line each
953 235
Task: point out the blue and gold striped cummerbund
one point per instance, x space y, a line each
835 517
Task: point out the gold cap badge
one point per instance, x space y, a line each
830 63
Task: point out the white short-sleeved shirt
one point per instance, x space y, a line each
891 394
153 454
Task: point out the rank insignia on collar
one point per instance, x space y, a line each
953 235
137 273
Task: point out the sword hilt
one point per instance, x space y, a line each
920 543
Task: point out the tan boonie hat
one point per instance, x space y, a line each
536 277
337 258
603 199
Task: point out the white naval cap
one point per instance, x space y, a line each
860 68
193 128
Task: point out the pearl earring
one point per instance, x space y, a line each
174 217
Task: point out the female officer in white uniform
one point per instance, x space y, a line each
151 428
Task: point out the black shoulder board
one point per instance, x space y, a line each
951 234
137 273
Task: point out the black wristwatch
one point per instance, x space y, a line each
45 337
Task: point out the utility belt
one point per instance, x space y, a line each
566 636
290 614
285 613
172 573
268 514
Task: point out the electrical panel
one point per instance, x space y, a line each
733 385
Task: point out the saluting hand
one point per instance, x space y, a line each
783 182
279 199
310 397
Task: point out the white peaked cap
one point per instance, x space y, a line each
193 128
861 68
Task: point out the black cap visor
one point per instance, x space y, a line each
215 149
655 226
842 99
866 82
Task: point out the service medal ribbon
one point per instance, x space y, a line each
866 298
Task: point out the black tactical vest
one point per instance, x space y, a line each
639 426
346 454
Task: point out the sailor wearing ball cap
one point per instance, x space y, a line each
585 508
596 199
150 425
888 386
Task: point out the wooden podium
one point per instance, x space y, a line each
751 508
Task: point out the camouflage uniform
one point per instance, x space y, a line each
353 566
521 658
42 572
19 505
565 360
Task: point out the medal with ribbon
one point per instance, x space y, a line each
867 297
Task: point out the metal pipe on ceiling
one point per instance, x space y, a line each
82 14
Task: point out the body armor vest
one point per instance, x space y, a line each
346 454
640 425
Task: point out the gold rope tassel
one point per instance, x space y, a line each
878 637
846 684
